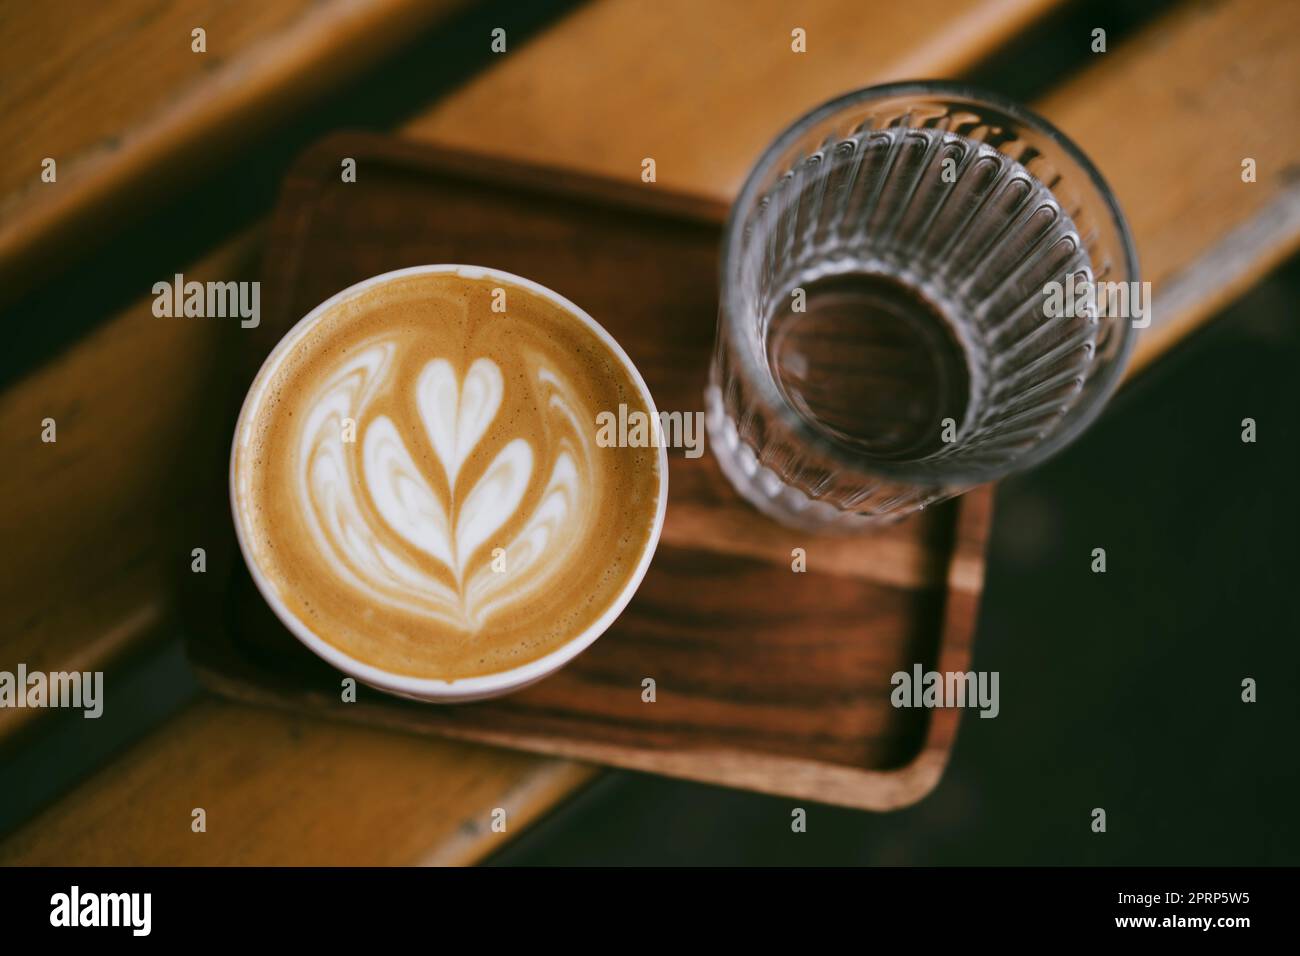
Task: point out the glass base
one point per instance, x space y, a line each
762 488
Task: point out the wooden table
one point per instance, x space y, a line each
132 115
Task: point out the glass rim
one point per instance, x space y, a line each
919 473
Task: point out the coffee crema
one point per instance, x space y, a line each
418 480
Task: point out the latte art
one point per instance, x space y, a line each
443 515
419 478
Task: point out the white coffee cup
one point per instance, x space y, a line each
433 689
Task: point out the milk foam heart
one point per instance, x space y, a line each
451 526
422 485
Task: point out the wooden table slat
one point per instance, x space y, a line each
115 94
279 789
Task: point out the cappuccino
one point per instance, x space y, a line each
416 479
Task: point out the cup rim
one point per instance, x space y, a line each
1107 380
430 689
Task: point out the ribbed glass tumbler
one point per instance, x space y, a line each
906 307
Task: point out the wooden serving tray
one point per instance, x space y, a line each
766 678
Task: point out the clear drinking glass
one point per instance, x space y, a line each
884 339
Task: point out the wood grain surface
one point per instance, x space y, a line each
702 87
1126 142
278 789
92 522
115 95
